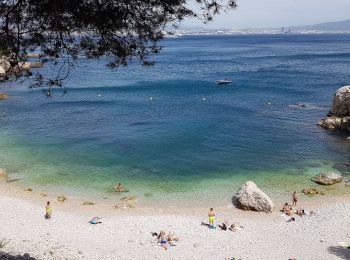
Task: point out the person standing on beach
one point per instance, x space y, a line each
295 198
48 210
211 215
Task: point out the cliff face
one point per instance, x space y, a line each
339 117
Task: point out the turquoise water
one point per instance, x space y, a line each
171 131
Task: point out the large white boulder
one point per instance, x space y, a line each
250 197
341 102
2 72
327 178
24 65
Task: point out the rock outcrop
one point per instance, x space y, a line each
250 197
327 178
2 72
22 66
339 116
312 191
3 96
61 198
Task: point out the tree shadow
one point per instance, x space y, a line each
341 252
6 256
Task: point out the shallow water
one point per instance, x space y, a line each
171 131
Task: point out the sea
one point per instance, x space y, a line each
171 134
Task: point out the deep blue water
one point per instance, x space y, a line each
171 122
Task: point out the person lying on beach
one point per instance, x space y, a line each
287 218
166 240
163 240
235 226
171 238
120 188
304 212
95 221
48 210
223 226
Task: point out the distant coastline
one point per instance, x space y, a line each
340 27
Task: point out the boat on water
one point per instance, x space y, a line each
223 81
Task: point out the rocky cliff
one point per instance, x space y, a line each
339 116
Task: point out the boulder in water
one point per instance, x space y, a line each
88 203
36 65
339 116
3 96
312 191
250 197
2 72
341 102
129 198
335 123
61 198
327 178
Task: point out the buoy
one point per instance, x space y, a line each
99 95
203 99
269 103
151 98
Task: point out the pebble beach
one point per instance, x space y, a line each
127 233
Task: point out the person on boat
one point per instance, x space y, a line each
211 216
48 210
295 198
119 188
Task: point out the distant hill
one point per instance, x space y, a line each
332 26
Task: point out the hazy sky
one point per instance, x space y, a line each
271 13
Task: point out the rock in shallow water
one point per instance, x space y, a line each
327 178
339 116
312 192
343 167
3 96
61 198
250 197
88 203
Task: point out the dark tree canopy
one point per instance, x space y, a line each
64 30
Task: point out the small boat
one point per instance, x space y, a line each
223 81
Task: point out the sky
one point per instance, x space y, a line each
277 13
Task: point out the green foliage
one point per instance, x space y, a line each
121 30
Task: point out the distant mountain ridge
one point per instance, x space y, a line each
331 26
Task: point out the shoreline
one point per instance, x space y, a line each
107 204
74 204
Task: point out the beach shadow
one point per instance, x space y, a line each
205 224
7 256
341 252
235 202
